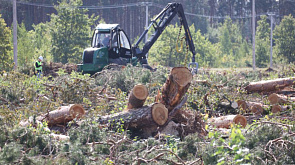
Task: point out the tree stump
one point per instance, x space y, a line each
137 96
176 86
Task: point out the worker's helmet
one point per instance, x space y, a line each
41 58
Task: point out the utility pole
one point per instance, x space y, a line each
253 33
146 4
271 27
146 23
14 34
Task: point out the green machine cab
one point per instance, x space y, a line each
109 44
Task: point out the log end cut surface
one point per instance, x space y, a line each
159 113
77 111
276 108
239 119
182 75
140 92
242 104
273 98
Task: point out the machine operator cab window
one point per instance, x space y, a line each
100 39
123 49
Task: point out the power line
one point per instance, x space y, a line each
137 4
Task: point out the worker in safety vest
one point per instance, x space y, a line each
38 66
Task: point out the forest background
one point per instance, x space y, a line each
221 30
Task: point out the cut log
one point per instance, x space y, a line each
60 116
137 96
159 113
64 114
146 116
226 121
269 85
176 86
278 108
254 107
279 99
242 104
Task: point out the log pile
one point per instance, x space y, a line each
163 115
52 68
277 91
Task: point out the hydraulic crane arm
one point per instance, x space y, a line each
160 22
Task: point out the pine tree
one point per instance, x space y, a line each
284 38
5 46
262 42
70 31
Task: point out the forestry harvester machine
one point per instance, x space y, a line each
110 44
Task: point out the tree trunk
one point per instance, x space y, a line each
176 86
137 96
226 121
269 85
146 116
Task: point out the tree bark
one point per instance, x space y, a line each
226 121
64 114
269 85
60 116
175 87
137 96
146 116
